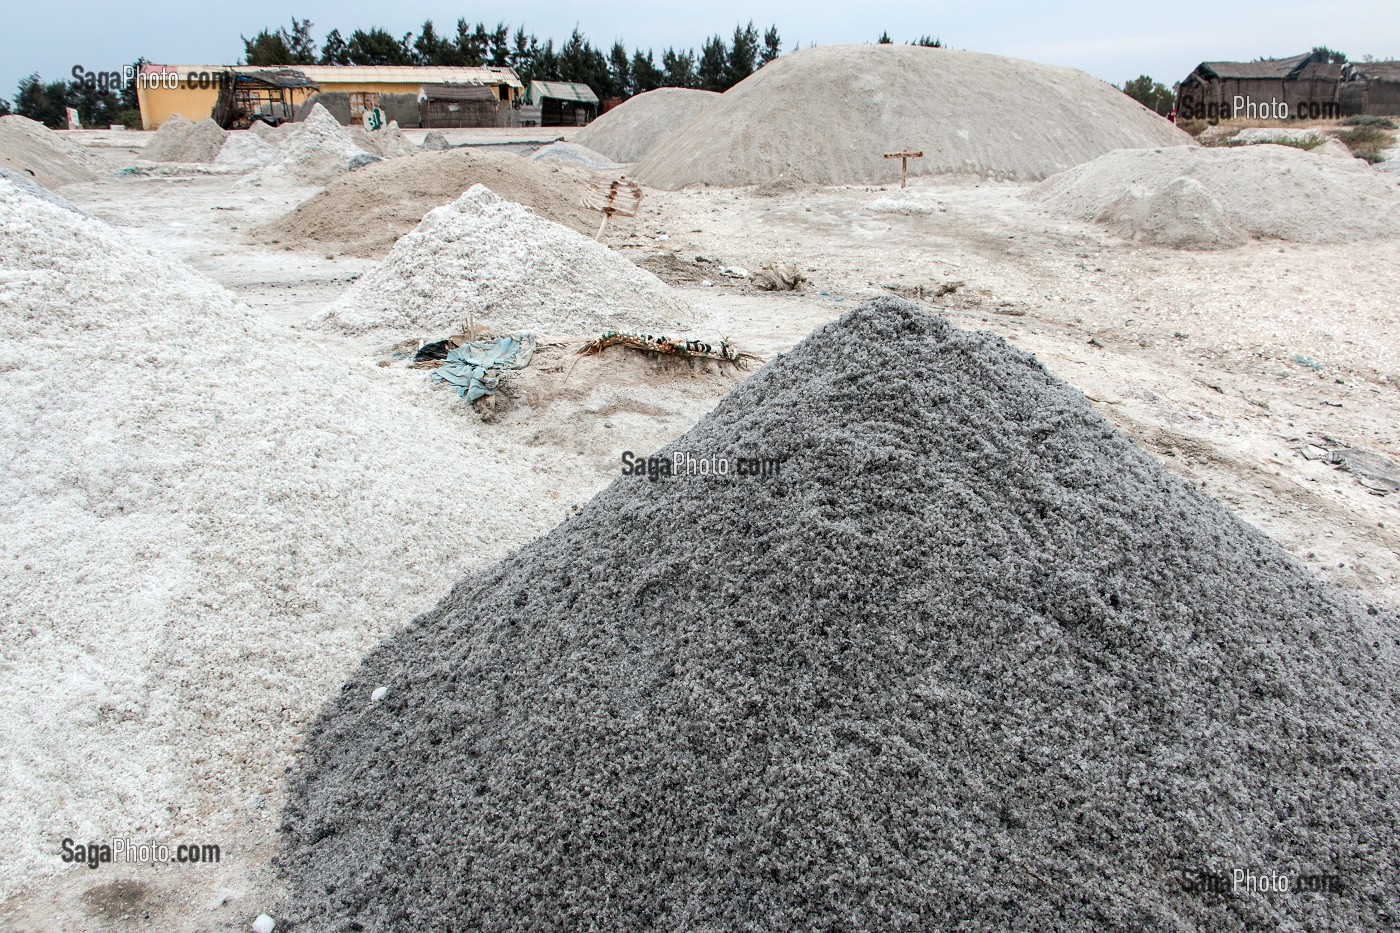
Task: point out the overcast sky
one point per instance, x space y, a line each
1114 40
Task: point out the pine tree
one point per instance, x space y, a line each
772 46
645 75
620 72
743 55
335 51
678 69
712 71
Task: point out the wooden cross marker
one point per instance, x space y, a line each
904 158
621 196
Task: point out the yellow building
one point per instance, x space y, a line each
192 90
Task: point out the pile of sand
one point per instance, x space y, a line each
628 132
1202 198
827 116
969 660
272 135
247 149
203 526
179 140
35 151
387 143
435 142
364 214
316 152
511 269
574 154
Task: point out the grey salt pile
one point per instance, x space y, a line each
971 660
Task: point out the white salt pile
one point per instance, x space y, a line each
203 524
435 142
630 131
952 654
268 133
246 149
31 149
179 140
365 213
828 115
1254 135
387 143
318 150
1201 198
390 142
511 269
904 202
574 154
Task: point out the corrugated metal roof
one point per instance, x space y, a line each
369 74
561 90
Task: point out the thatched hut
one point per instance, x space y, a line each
1303 86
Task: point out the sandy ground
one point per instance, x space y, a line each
1196 355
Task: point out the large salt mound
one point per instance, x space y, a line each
203 525
510 268
179 140
1269 191
365 213
827 116
971 661
35 151
628 132
317 151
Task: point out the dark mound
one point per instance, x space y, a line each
972 660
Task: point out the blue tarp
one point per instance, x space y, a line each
476 368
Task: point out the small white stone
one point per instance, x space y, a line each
378 694
264 924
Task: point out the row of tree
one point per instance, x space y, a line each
48 103
718 65
615 72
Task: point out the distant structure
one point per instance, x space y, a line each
193 91
1303 86
1371 88
563 103
1273 89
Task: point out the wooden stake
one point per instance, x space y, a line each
904 157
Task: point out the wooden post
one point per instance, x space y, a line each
618 197
904 156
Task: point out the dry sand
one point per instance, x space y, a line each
574 154
1195 354
364 214
966 634
179 140
827 116
630 131
1202 198
34 150
246 149
315 152
200 514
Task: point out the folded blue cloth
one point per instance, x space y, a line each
476 368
